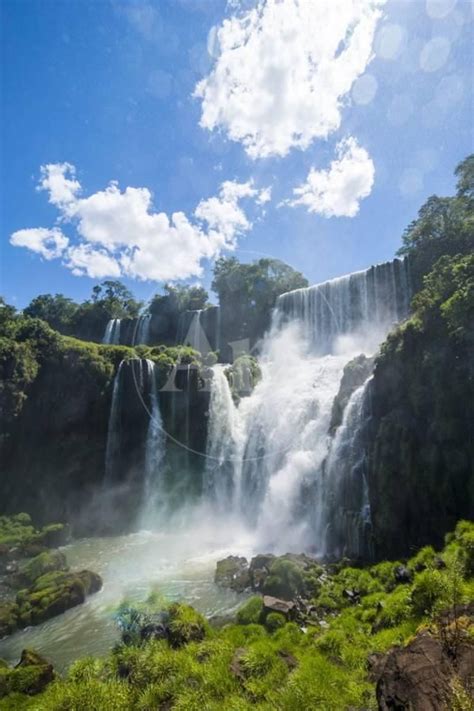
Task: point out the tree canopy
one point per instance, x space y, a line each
444 226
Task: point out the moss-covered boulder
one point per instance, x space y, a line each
30 676
54 593
46 562
233 572
8 618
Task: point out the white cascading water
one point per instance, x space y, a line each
279 440
113 432
154 494
112 332
342 515
142 331
218 479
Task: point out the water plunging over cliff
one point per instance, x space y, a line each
218 480
275 459
141 335
362 306
154 493
112 332
342 516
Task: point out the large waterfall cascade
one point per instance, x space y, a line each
294 486
270 463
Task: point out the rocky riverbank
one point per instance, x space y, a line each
35 580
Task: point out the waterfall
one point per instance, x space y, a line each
113 431
343 508
112 332
271 464
218 480
362 306
141 335
294 487
153 490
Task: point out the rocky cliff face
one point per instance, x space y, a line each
421 455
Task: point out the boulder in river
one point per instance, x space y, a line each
233 572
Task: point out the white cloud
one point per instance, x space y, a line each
48 243
84 260
283 69
120 234
337 192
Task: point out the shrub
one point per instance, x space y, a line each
251 611
274 621
428 590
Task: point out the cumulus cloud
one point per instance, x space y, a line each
283 70
118 232
48 243
337 192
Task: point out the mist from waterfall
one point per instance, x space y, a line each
275 463
271 467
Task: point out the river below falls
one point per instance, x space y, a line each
181 566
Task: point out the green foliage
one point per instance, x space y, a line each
178 298
285 579
58 311
274 665
425 558
248 292
444 226
274 621
41 564
251 611
429 588
243 375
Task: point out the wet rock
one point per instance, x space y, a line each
352 595
233 573
274 604
403 575
260 569
420 676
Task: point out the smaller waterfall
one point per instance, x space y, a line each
153 489
113 432
142 331
112 332
218 482
343 518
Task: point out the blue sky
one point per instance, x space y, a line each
109 87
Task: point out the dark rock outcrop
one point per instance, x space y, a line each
426 674
355 374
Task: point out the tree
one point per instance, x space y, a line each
444 226
179 298
58 311
116 299
247 294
